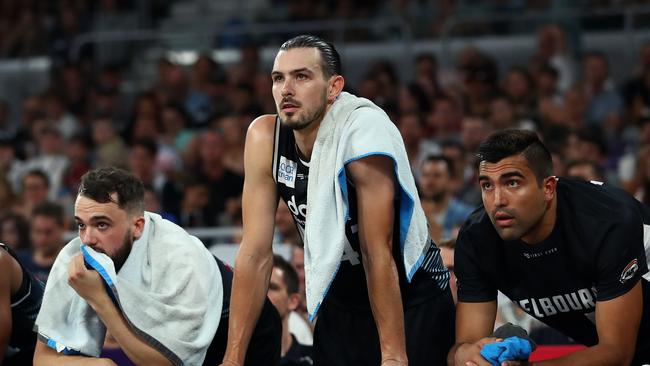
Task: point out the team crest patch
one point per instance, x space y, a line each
629 270
287 172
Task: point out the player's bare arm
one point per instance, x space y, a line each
6 282
617 323
474 324
374 181
254 260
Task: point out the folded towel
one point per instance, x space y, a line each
510 349
353 128
169 291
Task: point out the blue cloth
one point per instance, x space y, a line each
510 349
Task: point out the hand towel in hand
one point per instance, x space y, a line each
510 349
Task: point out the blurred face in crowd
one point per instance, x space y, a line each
9 233
595 69
35 189
502 114
434 179
299 87
410 128
279 294
513 198
107 228
142 162
46 234
516 85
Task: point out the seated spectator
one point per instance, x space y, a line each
35 187
46 231
283 293
444 212
586 170
14 231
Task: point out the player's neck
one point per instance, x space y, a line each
545 226
305 139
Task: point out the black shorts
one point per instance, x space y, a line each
348 337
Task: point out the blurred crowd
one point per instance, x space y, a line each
184 135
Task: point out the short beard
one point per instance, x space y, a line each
307 120
123 251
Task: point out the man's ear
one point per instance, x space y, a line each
550 187
138 226
294 301
335 87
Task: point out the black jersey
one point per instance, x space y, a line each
594 253
25 304
349 288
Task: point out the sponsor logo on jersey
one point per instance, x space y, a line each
629 270
287 172
583 300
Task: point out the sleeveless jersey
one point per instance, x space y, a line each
25 304
349 287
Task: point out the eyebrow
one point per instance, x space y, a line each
95 218
504 176
292 72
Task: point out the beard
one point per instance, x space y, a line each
297 122
123 251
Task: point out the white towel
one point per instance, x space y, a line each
169 290
352 129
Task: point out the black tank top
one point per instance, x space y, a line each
25 304
349 288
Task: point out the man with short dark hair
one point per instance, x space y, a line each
46 233
283 293
445 213
157 290
568 252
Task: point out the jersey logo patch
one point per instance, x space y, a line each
629 270
287 172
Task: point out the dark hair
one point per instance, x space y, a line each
330 59
437 158
37 173
49 209
597 168
147 144
22 229
509 142
289 274
100 184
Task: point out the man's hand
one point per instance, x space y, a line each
469 354
87 283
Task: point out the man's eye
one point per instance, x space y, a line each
301 76
81 226
513 183
102 226
486 185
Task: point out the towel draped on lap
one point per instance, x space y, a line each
352 129
169 291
